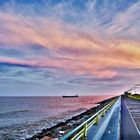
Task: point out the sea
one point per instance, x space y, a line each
22 117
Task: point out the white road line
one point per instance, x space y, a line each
132 118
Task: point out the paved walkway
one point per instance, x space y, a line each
129 130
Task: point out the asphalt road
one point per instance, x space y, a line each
129 130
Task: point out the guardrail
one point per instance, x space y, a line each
81 130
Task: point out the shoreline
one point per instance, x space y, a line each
62 128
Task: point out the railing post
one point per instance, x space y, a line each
103 113
85 130
109 108
97 120
106 110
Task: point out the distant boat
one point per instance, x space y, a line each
70 96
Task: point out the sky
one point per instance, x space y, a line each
67 47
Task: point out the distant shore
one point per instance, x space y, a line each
62 128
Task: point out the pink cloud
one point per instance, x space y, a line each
76 51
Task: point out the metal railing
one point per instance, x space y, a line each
81 130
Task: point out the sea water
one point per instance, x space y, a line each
22 117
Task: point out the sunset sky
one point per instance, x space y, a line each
57 47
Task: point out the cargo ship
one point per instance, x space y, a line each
70 96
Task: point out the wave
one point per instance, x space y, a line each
13 113
22 131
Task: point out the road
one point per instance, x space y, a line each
129 129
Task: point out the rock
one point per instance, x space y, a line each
46 138
62 132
